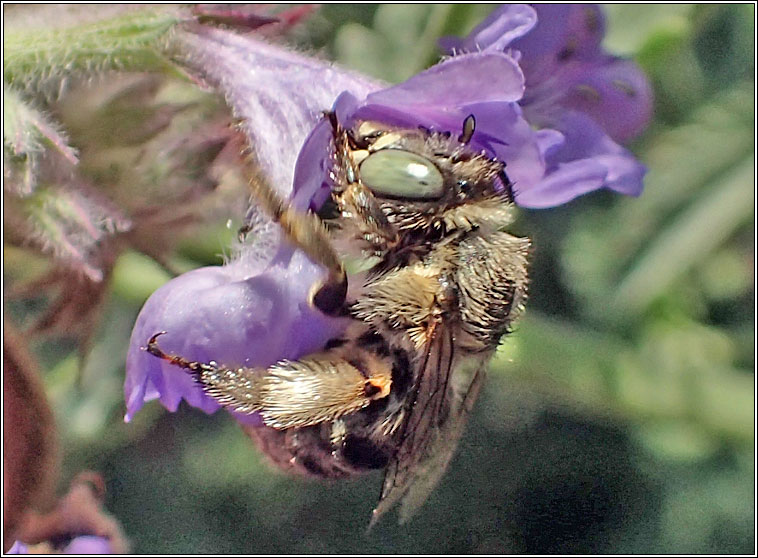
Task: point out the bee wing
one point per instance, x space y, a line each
437 460
432 425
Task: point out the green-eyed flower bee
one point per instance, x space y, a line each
444 282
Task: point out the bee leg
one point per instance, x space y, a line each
195 367
306 231
291 394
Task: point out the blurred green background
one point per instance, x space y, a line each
619 418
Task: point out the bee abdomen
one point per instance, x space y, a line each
363 453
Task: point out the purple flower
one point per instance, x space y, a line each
88 545
486 85
585 99
245 313
253 311
79 545
18 548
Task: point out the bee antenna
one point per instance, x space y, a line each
469 125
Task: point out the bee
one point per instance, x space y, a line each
444 284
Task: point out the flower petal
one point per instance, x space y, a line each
228 315
88 545
588 160
496 32
464 79
564 34
486 86
278 94
504 134
617 95
18 548
566 182
580 97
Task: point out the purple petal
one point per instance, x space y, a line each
18 548
279 94
496 32
564 33
227 314
566 182
566 68
582 98
487 86
464 79
311 188
587 160
617 95
88 545
546 35
514 142
549 140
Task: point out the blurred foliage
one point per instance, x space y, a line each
619 418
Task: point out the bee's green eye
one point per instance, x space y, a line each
401 174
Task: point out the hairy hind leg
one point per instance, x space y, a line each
318 388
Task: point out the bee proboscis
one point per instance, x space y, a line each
445 283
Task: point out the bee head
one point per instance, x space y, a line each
422 179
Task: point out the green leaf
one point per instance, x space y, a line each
135 277
402 40
676 440
691 238
363 49
630 26
677 372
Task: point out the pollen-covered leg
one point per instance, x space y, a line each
289 394
306 231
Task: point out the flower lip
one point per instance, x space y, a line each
437 99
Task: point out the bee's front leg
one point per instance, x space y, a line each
290 394
307 232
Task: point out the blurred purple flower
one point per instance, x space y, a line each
18 548
88 545
79 545
586 99
253 311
